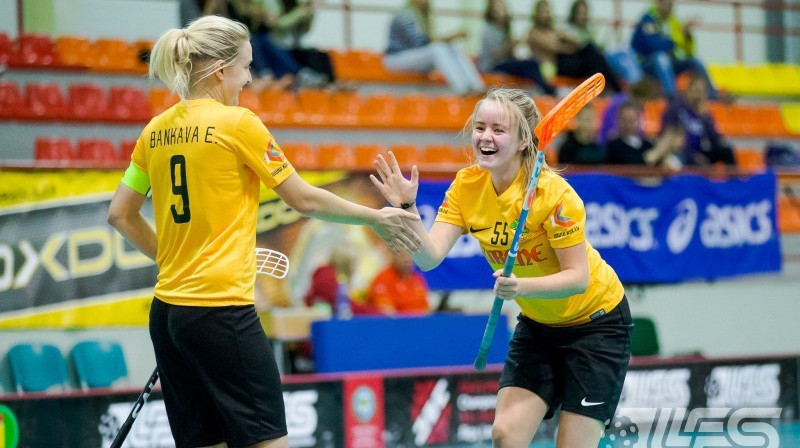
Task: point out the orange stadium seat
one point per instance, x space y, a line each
440 158
248 98
277 107
749 160
12 104
45 101
378 111
768 121
53 149
788 214
406 155
95 150
8 50
651 118
313 107
87 102
335 156
412 111
128 104
36 50
142 48
115 55
161 99
365 154
75 52
345 107
545 103
126 149
300 155
447 112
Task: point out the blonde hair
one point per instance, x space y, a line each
524 116
181 58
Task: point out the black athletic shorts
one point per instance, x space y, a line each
218 375
580 368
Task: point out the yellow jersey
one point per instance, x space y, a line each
556 220
205 161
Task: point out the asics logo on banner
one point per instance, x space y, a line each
586 403
723 226
610 225
557 218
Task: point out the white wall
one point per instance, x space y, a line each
139 19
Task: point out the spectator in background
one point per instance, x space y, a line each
666 47
580 146
497 48
412 47
294 19
327 279
622 61
644 90
561 52
398 288
704 144
632 148
273 66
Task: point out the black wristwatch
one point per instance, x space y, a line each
407 205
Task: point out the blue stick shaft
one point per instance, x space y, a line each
497 305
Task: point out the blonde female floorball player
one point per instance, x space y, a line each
203 160
572 344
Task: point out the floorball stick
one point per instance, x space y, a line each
553 123
268 262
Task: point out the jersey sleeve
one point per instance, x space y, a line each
259 151
450 209
567 220
138 157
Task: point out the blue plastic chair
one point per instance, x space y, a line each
37 367
99 363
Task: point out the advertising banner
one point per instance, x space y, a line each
664 233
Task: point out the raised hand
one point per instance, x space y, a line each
393 185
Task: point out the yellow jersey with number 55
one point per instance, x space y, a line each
204 161
556 220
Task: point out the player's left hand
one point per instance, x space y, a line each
505 288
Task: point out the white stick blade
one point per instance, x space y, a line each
272 263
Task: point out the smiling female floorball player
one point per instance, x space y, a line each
572 344
203 160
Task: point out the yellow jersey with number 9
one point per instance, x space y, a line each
556 220
205 161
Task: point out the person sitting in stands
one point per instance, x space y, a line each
560 52
632 148
398 288
412 48
497 48
666 47
704 144
581 146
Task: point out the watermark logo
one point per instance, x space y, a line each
696 428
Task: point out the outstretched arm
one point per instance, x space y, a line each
398 190
391 224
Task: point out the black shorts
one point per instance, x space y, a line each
580 368
218 375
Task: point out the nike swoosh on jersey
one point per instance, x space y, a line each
590 403
474 230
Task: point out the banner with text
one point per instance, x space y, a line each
684 228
